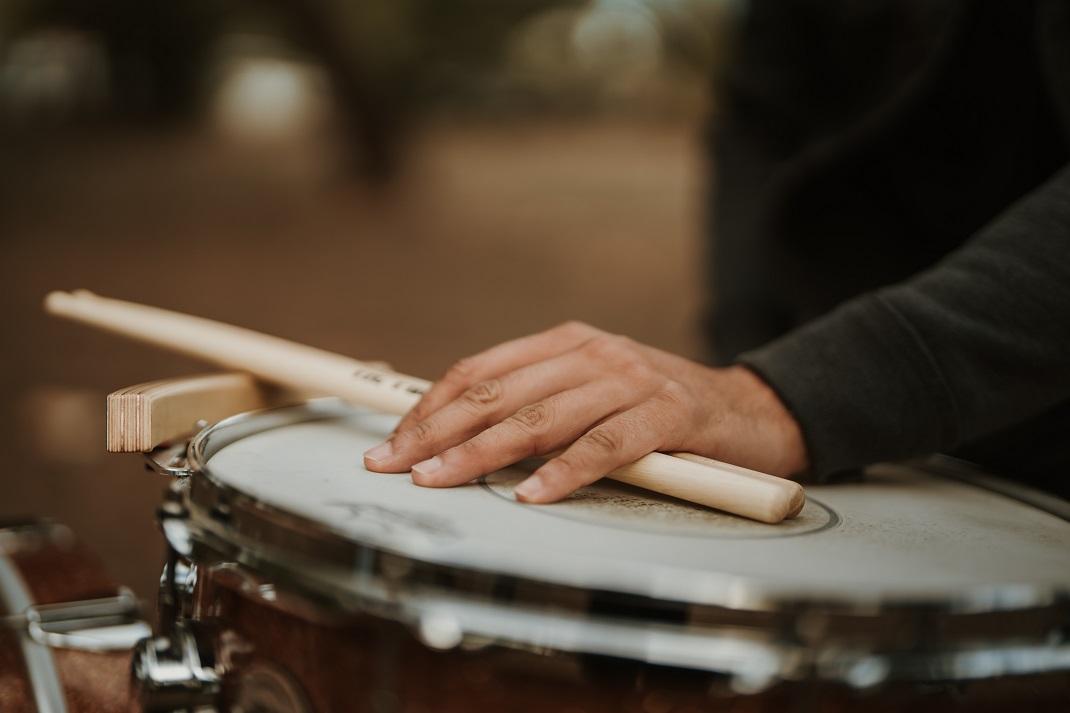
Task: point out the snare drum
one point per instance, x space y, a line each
299 581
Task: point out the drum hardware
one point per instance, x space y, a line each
176 669
175 672
172 516
178 584
168 460
182 667
106 624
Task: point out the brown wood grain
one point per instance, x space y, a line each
55 568
369 664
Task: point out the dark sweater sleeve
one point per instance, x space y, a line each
978 342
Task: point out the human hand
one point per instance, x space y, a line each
612 399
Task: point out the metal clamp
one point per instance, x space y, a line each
169 460
174 672
107 624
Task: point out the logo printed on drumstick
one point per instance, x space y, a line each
389 381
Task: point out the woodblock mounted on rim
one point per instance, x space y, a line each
144 416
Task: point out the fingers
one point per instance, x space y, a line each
533 430
476 409
622 439
496 361
556 384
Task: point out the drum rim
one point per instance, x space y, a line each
365 576
736 592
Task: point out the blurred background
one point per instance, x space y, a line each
403 180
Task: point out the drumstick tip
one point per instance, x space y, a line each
796 502
57 302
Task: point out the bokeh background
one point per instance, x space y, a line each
409 181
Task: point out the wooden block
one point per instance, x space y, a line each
144 416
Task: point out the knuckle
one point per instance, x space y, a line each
635 368
532 422
533 418
417 413
483 394
613 348
470 451
604 441
575 328
622 354
676 407
421 432
603 346
461 372
474 454
673 393
561 466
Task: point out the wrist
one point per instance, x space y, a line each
766 419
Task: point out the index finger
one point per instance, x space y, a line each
494 362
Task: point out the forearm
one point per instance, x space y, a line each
980 341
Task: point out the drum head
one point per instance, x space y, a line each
900 535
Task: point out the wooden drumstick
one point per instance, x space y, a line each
726 487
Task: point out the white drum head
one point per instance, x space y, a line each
899 536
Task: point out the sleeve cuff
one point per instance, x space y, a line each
861 384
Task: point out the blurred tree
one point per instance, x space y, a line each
388 61
157 52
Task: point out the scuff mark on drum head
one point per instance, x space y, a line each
611 504
389 521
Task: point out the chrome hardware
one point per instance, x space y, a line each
169 461
175 672
173 516
184 578
178 584
109 624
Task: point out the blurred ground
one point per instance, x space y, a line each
493 231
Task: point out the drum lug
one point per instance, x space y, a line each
178 587
175 672
173 516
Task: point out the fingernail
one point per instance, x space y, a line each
380 453
530 489
428 466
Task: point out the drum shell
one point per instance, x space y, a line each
56 568
331 661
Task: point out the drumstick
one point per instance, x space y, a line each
726 487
